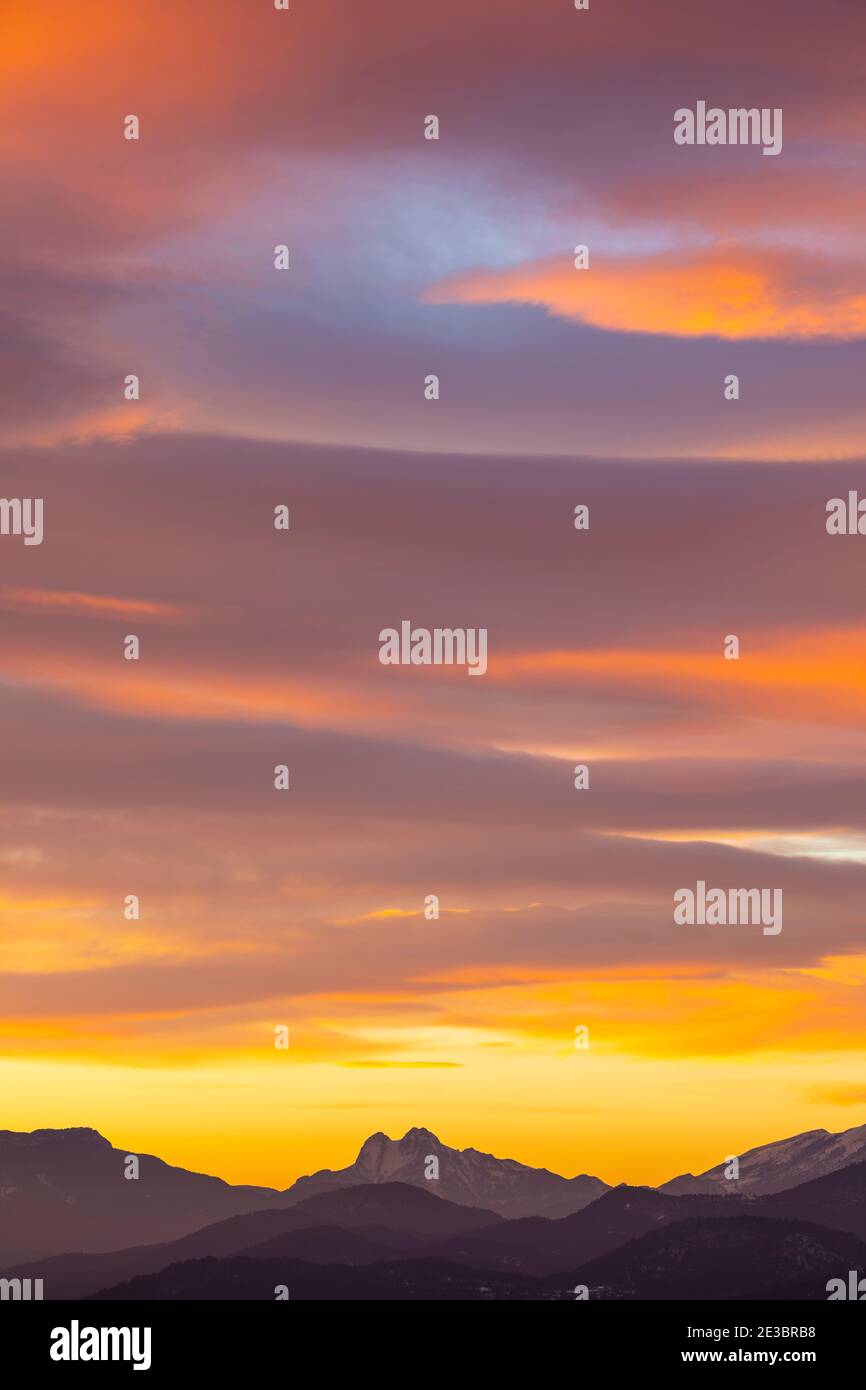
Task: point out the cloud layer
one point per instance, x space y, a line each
305 388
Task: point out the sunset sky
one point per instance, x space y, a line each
258 647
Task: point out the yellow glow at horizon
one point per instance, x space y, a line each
622 1120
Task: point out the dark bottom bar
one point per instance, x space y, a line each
268 1339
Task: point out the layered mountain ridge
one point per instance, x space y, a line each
69 1215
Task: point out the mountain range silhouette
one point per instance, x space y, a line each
415 1218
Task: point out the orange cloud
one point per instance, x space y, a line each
725 292
815 674
15 600
729 1015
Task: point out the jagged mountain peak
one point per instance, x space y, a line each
373 1142
466 1176
379 1141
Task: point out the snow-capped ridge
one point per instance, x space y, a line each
779 1165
